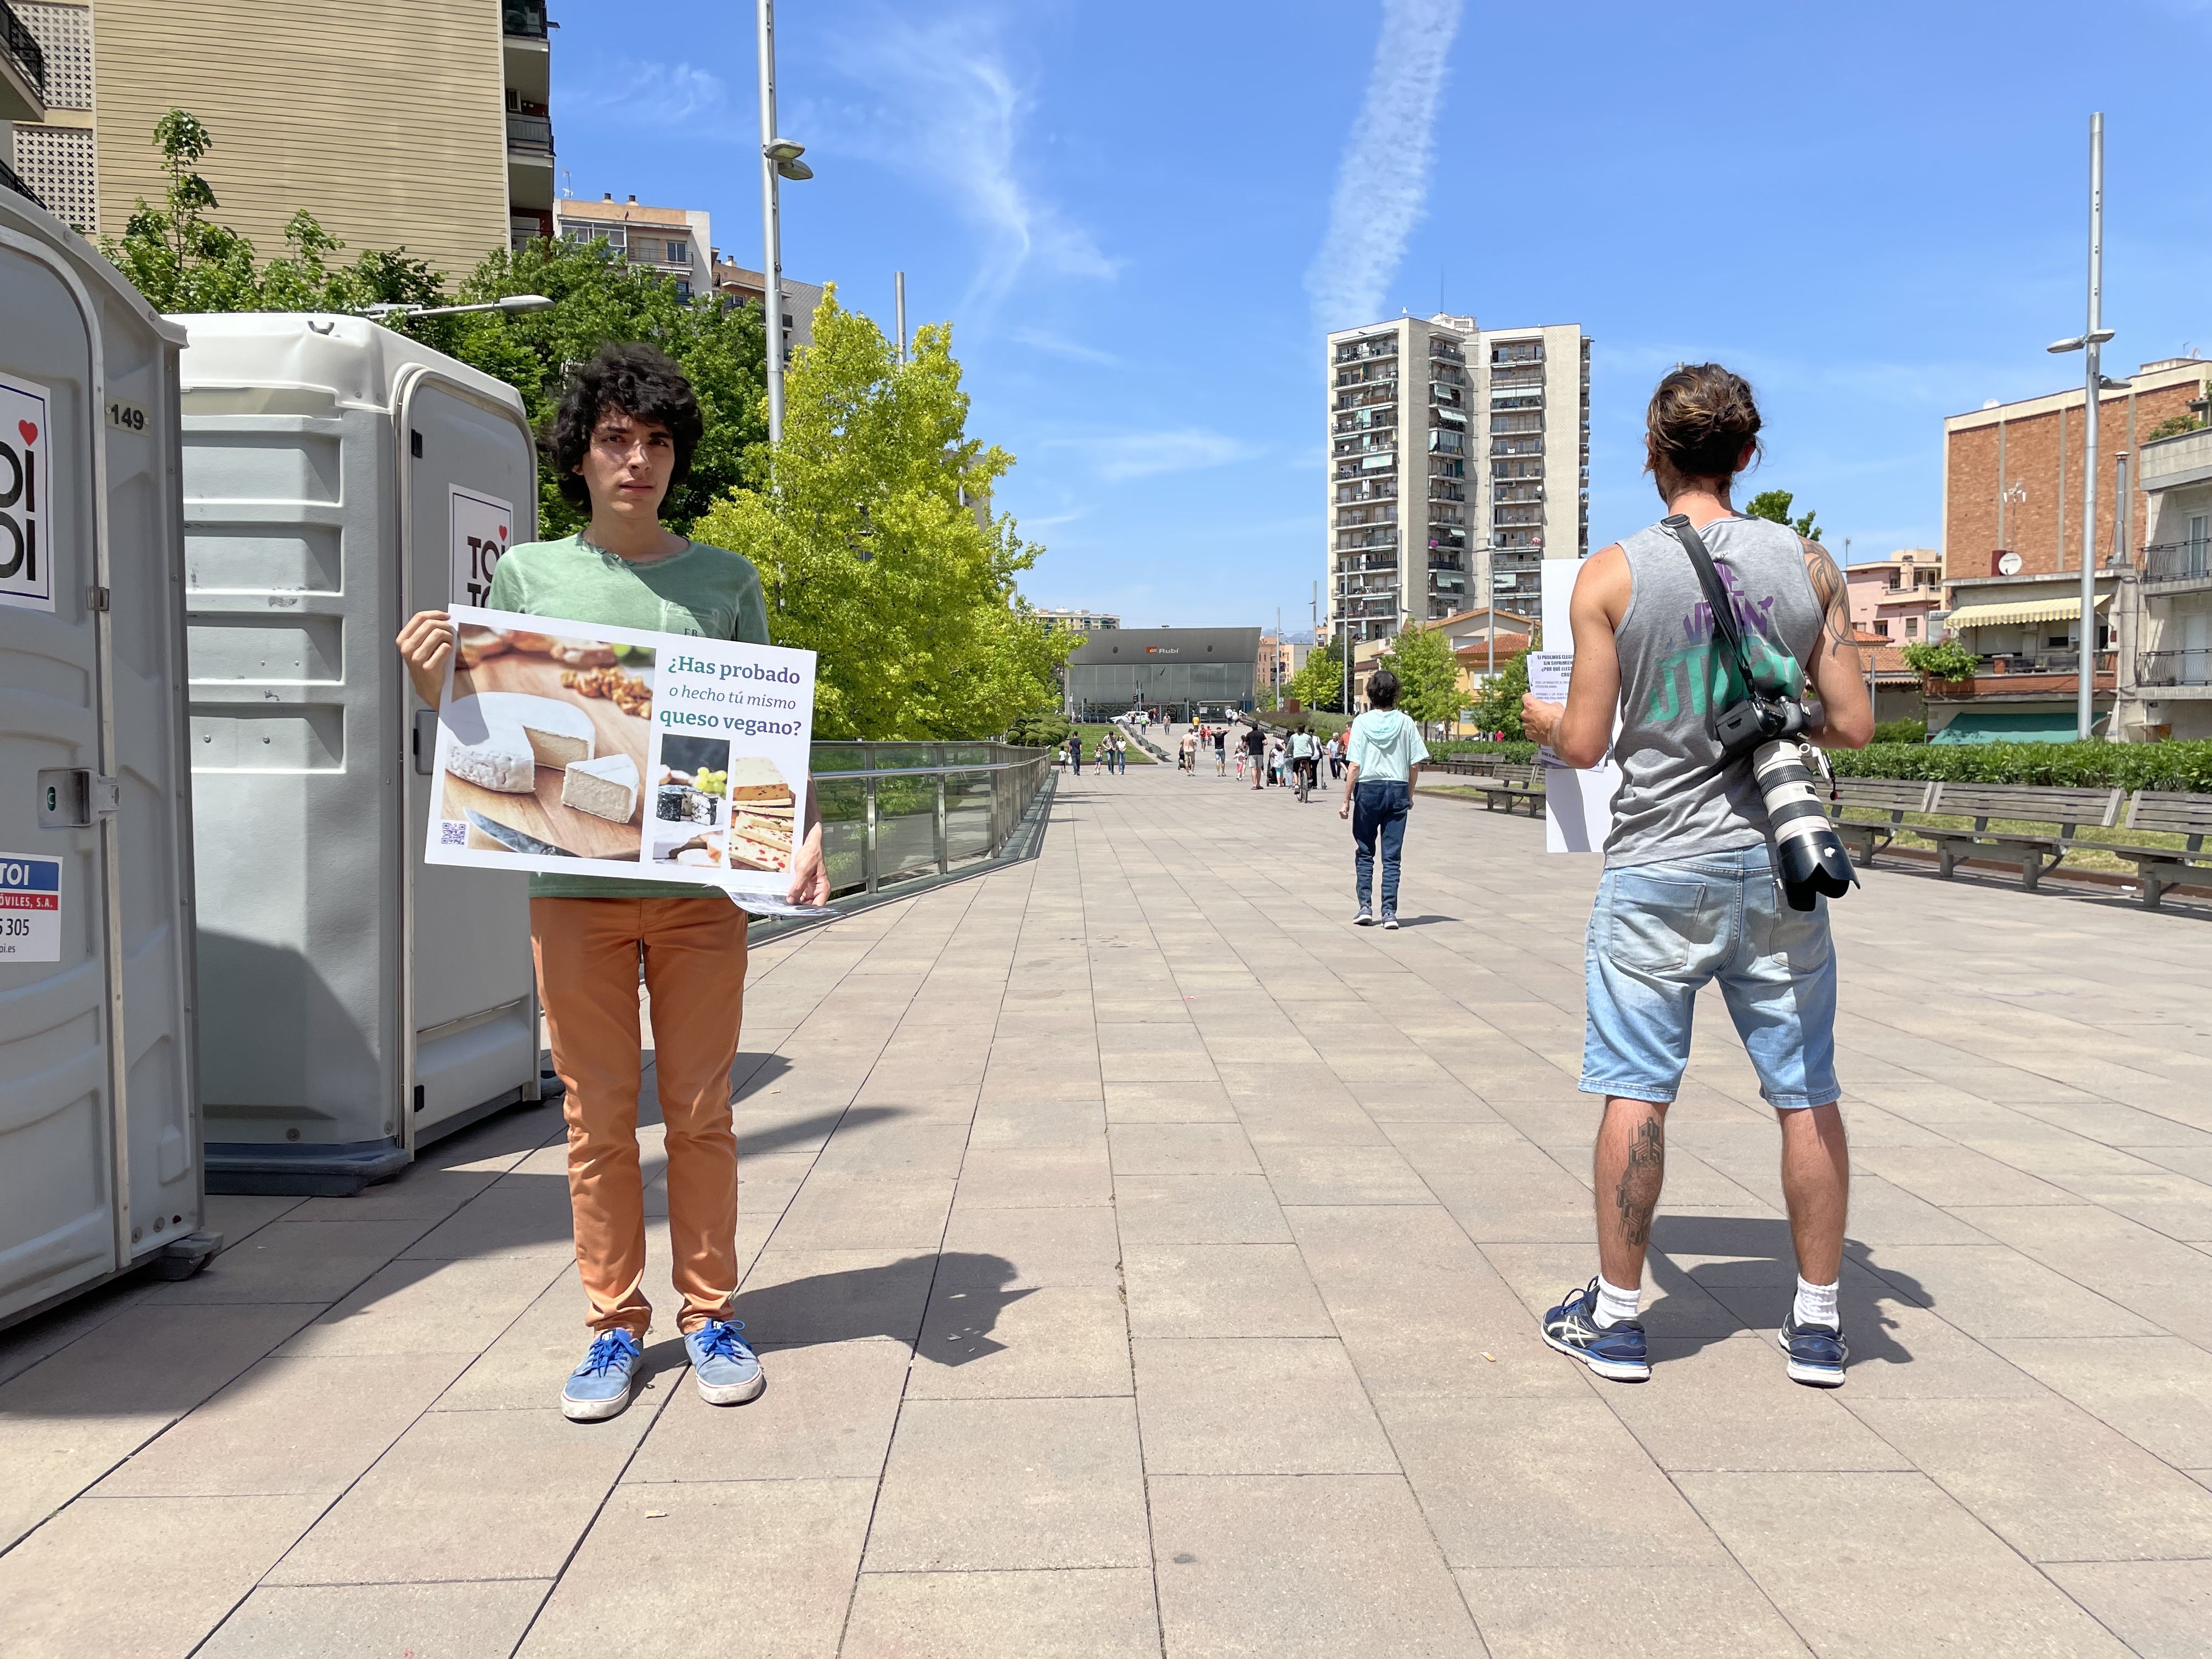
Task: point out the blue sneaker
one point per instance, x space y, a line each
1616 1352
601 1387
728 1373
1816 1353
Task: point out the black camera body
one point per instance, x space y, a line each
1741 727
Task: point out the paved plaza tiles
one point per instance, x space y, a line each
1146 1261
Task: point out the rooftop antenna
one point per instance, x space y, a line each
899 283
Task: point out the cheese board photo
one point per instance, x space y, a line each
548 738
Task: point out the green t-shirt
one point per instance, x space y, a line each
708 592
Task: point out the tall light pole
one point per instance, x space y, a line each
779 161
2090 339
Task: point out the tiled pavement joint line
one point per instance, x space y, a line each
1122 1265
1025 872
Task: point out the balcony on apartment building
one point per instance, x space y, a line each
1383 488
22 78
2023 675
524 19
1443 350
530 133
2176 567
1366 396
2187 670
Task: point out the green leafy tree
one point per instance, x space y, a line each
1319 683
1498 699
862 526
1945 660
1774 504
1427 672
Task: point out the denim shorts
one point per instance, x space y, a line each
1658 931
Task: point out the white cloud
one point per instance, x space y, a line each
949 107
1382 182
631 92
1124 455
1045 340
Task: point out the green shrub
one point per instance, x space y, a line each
1046 728
2181 766
1514 751
1901 732
1943 659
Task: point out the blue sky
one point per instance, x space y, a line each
1877 213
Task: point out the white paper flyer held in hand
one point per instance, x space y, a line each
1577 800
581 749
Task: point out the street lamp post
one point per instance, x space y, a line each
779 161
2087 342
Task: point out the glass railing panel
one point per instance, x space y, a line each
844 833
967 816
906 828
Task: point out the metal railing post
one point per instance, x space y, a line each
943 862
869 870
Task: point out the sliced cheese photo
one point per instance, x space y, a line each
606 787
755 777
501 737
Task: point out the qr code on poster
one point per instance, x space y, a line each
453 834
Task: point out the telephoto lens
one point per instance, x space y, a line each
1809 855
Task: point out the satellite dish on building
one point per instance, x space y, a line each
2008 564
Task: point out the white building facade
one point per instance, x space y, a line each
1458 462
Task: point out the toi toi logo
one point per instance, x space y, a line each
25 576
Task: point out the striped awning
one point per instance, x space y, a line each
2034 610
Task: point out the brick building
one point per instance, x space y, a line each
2012 472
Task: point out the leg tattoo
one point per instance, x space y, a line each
1637 1194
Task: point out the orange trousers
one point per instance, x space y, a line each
587 952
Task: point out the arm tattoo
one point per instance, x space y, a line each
1637 1194
1832 593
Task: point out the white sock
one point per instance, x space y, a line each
1816 1304
1615 1306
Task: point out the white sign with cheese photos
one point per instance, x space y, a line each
577 749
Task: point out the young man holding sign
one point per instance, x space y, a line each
623 436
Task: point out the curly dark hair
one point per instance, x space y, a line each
1700 418
646 385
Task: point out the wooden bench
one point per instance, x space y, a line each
1508 784
1889 798
2066 811
2161 867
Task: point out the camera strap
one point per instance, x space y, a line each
1717 595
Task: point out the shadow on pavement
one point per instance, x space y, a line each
889 1299
1746 1264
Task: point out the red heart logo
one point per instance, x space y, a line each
502 532
30 431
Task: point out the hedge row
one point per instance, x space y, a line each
1514 752
2183 766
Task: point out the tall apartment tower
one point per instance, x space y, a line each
1458 462
395 122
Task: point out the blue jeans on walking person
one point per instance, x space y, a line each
1379 809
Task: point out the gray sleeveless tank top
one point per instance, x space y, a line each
1677 800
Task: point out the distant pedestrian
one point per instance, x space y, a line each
1255 751
1075 752
1385 763
1220 751
1122 753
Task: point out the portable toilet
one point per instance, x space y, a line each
100 1132
355 1002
